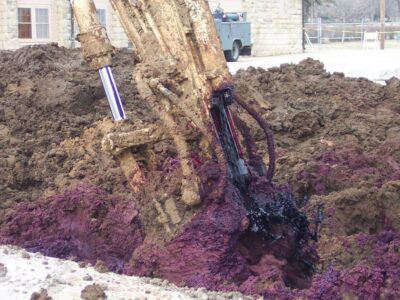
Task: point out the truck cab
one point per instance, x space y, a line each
234 33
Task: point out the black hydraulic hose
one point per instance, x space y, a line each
255 160
268 133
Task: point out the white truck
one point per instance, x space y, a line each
234 32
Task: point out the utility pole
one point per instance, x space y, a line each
382 24
303 36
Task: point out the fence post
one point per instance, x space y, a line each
362 30
343 28
319 31
382 9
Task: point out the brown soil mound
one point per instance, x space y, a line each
48 97
338 142
337 138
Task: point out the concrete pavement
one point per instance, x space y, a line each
376 65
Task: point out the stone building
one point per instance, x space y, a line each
276 24
26 22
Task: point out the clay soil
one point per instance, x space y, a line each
337 146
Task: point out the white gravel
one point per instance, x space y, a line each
26 273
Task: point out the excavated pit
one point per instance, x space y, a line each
337 147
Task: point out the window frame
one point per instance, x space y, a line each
42 23
25 23
105 4
34 23
105 16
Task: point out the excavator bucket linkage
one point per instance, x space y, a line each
183 76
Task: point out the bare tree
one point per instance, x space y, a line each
311 7
356 10
345 10
398 5
392 9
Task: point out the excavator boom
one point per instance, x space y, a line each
199 46
183 76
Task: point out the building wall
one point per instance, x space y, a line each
8 24
115 31
227 5
62 25
276 24
117 34
62 31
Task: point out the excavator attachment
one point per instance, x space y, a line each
227 136
97 51
183 76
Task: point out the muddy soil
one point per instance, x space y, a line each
48 98
337 146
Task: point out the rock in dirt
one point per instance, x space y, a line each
101 266
3 270
93 292
42 295
87 277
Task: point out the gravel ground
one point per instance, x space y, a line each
23 273
353 61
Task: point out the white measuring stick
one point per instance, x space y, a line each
112 93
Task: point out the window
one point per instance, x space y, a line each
42 23
24 23
101 15
33 23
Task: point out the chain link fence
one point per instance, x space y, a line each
318 32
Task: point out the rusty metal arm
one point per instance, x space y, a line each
97 51
96 46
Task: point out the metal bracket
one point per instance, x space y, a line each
227 136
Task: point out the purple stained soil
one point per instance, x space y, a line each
221 248
84 223
335 133
262 249
225 246
375 274
339 169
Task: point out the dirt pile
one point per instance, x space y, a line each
48 98
338 147
84 224
330 131
337 143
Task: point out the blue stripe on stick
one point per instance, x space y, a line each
116 96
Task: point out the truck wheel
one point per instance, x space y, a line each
233 55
